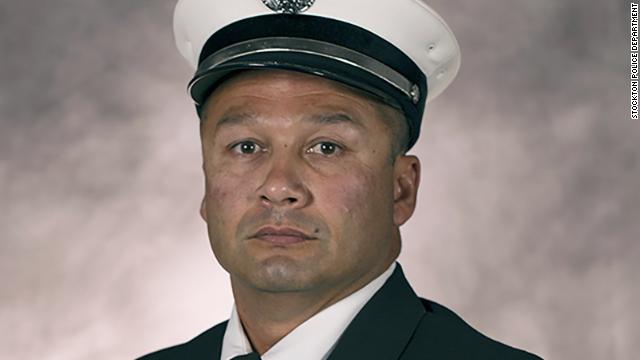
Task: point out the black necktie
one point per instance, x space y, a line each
250 356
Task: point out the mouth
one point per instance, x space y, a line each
281 236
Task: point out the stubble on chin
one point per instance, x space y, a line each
281 274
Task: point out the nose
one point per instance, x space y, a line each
283 185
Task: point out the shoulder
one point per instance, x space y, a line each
207 345
443 332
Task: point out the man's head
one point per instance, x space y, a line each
285 151
307 181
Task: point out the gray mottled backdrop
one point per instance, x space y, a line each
528 220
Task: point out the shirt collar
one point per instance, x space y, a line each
313 339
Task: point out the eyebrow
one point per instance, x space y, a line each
336 118
236 119
247 119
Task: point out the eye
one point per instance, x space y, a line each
246 148
325 148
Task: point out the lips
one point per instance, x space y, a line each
281 236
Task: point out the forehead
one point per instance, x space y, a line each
284 87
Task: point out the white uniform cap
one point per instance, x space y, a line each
400 50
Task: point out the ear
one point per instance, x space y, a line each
203 209
406 179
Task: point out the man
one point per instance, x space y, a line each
307 111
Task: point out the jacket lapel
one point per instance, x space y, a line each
384 326
207 345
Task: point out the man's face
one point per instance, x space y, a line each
300 193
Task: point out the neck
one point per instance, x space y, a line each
267 317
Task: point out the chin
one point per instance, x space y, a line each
283 274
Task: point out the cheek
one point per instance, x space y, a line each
359 215
225 184
225 198
219 189
349 198
355 201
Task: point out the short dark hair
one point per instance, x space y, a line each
396 123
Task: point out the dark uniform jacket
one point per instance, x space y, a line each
394 324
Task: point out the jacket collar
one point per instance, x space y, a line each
381 330
385 325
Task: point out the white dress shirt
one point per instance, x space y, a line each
315 338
